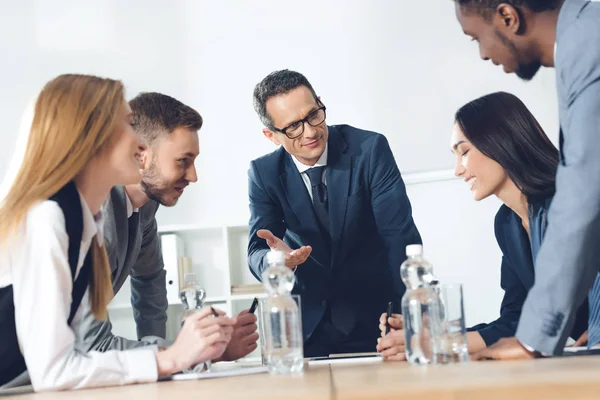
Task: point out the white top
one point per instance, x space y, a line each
36 264
302 168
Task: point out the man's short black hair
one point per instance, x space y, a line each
486 8
157 114
276 83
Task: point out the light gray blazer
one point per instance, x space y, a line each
134 250
569 258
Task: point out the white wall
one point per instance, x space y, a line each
458 239
399 67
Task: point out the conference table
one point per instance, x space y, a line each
557 378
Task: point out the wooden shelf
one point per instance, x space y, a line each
118 307
208 300
219 260
180 228
249 296
216 299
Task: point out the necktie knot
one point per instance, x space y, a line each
315 175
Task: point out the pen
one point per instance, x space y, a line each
389 315
253 306
214 312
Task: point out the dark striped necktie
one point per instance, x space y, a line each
319 196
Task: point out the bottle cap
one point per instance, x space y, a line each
413 250
275 257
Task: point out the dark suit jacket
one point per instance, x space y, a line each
517 272
371 224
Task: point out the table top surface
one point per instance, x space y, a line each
559 378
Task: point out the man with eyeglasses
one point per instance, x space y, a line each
332 199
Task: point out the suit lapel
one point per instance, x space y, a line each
116 234
537 224
300 202
135 237
523 259
339 169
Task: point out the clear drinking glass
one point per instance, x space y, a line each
451 346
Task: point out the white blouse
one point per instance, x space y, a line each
36 264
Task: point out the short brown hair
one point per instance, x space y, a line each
158 114
274 84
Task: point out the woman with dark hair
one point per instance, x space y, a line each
502 150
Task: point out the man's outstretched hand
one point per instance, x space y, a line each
293 258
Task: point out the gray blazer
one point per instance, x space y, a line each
569 258
134 250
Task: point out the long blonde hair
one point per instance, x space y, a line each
75 118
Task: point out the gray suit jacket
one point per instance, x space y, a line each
569 258
134 250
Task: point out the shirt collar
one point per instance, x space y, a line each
321 162
93 225
130 209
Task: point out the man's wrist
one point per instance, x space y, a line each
531 350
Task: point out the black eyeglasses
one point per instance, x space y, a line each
296 129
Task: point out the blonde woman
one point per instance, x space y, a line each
53 266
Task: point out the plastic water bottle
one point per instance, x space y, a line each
421 307
192 297
281 319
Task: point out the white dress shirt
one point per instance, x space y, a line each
36 264
130 209
302 168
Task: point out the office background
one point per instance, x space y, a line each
399 67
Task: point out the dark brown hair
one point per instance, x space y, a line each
501 127
158 114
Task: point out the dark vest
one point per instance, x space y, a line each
12 363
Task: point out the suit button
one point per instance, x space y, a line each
324 303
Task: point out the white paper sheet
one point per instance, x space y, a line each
337 359
219 374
